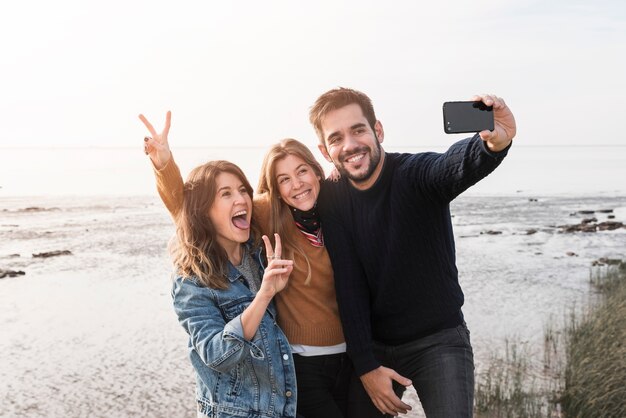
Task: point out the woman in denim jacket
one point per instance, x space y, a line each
223 299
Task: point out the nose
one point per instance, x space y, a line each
240 197
296 183
349 143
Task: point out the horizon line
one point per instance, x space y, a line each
30 147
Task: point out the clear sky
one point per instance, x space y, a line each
77 73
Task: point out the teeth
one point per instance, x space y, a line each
355 158
302 195
241 212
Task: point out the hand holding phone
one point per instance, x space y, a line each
467 117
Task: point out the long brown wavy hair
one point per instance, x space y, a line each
280 216
195 251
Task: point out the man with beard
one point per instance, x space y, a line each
387 226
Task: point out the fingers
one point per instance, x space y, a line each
146 147
151 142
269 251
150 145
279 267
400 379
490 100
379 385
168 120
148 125
273 253
392 406
278 250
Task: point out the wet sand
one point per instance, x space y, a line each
93 334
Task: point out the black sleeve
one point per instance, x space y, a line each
445 176
353 295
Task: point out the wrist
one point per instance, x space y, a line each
163 158
264 296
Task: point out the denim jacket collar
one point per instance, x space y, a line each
234 274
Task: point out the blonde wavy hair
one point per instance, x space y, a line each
195 250
280 215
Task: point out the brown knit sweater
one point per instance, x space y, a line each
307 314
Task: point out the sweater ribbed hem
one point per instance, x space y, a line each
322 335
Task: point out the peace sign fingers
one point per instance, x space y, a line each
157 146
149 125
166 128
278 270
273 253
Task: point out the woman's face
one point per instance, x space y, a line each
297 183
231 211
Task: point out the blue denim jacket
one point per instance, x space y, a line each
235 377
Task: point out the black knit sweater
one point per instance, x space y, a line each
392 246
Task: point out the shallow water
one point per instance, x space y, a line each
93 333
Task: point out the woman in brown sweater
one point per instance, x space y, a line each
307 308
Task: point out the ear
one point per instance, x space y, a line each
324 152
380 132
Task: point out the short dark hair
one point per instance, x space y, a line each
335 99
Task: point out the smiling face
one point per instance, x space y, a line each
298 184
352 145
231 211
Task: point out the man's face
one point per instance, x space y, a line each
352 146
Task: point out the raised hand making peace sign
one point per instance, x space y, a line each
156 146
274 280
277 270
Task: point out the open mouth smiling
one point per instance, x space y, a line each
240 220
302 195
355 158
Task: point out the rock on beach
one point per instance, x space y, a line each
10 273
52 254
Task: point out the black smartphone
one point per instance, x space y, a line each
464 117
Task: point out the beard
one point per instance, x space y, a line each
361 176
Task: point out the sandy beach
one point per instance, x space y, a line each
93 334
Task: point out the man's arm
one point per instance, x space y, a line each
445 176
353 295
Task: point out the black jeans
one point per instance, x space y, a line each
323 383
441 367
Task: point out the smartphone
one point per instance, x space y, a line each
464 117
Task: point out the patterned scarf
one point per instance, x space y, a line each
308 222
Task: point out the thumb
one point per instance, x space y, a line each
487 135
400 379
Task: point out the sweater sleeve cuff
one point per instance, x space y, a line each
499 155
170 170
364 362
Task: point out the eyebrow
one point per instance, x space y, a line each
355 126
297 168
